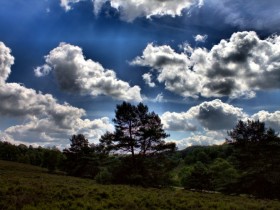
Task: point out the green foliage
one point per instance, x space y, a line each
222 174
206 154
257 151
28 187
9 152
217 175
50 158
104 176
203 157
198 177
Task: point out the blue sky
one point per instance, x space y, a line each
202 65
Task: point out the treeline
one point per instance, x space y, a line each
135 153
50 158
90 161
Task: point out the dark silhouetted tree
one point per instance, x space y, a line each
81 158
137 131
78 144
140 134
251 132
257 150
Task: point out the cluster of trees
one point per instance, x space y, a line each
136 153
257 150
207 168
50 158
247 163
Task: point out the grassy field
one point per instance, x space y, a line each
27 187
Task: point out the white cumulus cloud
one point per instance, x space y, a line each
131 9
6 61
178 121
172 68
201 139
45 121
271 119
237 67
209 122
148 79
78 75
66 4
200 38
41 71
213 115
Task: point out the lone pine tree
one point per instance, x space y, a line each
137 131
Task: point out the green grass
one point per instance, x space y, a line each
27 187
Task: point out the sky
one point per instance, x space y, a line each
201 65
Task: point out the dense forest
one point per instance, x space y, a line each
136 154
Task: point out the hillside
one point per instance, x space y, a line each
28 187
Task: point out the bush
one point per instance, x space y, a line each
104 176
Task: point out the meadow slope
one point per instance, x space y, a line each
28 187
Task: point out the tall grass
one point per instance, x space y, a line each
28 187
